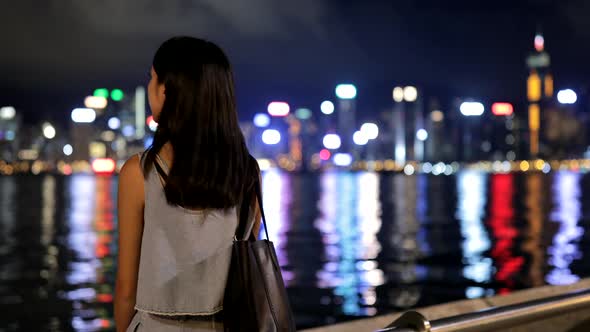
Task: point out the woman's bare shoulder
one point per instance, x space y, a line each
131 175
132 167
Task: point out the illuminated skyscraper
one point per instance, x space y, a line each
539 90
295 142
346 111
140 112
10 123
407 121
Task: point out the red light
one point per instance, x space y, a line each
104 298
539 43
67 170
325 154
151 123
102 251
504 232
105 323
103 166
502 109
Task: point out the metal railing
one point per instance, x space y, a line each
495 318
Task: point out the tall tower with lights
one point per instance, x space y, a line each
539 90
346 112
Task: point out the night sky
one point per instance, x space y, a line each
54 52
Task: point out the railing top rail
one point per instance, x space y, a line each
493 318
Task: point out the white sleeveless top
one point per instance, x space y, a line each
185 254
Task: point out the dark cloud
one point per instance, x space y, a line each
73 38
292 49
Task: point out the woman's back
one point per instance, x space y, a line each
185 254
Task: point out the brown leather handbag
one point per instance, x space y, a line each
255 296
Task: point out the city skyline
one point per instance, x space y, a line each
412 115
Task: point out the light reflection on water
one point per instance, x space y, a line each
403 249
470 213
567 212
82 236
349 224
536 199
472 198
507 260
91 239
350 244
277 198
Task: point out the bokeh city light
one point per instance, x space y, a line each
278 109
332 141
271 137
327 107
567 96
83 115
472 108
346 91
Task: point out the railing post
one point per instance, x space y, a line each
409 321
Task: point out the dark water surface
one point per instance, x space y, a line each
351 244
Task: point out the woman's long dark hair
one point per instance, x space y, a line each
212 166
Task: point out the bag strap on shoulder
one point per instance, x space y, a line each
250 193
259 200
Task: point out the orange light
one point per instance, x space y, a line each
534 125
104 166
548 86
501 109
534 87
534 117
95 102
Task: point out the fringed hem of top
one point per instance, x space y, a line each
164 313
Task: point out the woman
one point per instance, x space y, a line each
177 201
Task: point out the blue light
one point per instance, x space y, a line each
147 142
567 212
261 120
422 135
114 123
68 150
128 131
9 135
303 113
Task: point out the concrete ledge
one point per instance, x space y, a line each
561 323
